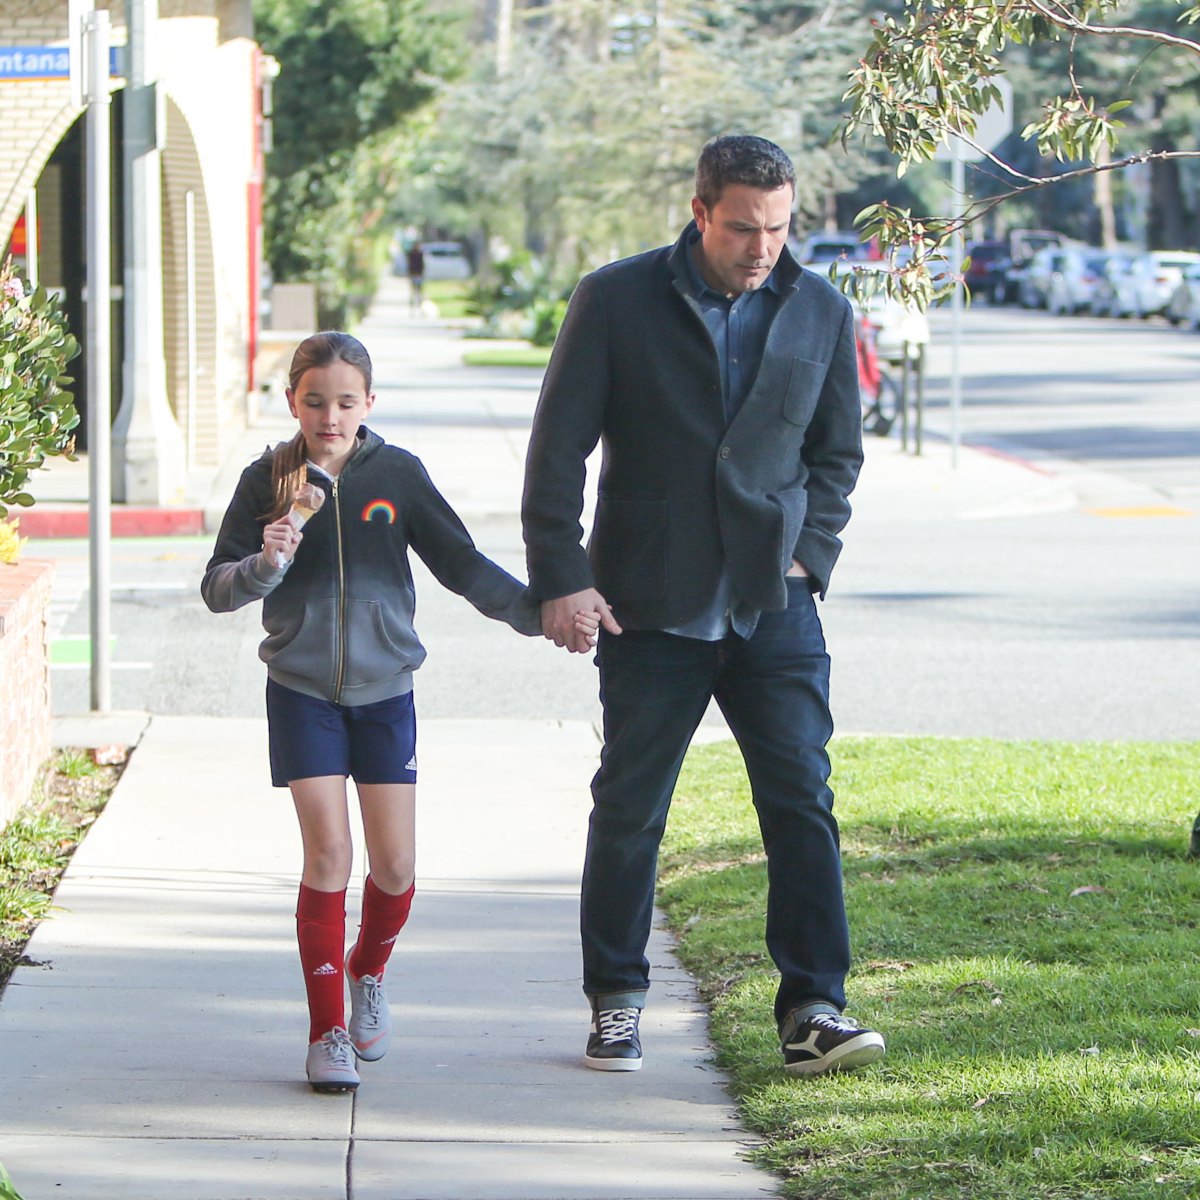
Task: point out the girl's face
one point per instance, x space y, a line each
330 403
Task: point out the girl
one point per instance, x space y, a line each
340 652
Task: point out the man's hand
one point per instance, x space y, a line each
559 624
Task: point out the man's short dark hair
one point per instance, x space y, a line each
736 158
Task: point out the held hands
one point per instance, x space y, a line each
280 540
572 621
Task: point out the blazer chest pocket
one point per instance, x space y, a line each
804 382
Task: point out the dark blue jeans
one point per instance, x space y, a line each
773 690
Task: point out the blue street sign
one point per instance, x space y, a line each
24 63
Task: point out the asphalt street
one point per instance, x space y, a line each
1063 606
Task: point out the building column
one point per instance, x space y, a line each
147 443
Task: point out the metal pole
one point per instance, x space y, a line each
99 347
189 210
958 187
31 237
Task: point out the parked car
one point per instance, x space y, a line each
987 261
1104 294
1184 306
1073 283
897 325
1008 274
1145 289
839 245
1034 285
446 260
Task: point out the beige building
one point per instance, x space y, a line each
204 82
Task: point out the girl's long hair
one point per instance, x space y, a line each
289 466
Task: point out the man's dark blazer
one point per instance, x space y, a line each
680 493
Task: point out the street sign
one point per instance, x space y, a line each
992 126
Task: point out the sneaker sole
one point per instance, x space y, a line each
327 1088
613 1064
373 1052
845 1058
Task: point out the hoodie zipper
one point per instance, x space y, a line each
339 674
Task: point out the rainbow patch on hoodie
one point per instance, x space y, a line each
383 511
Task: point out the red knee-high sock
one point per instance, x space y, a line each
321 932
383 916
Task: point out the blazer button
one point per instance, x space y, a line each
725 452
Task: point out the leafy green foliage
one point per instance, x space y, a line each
353 73
1020 915
7 1190
36 414
931 71
583 147
517 295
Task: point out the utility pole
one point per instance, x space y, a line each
94 45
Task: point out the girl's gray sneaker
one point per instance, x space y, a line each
330 1063
370 1016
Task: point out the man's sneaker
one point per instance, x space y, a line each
370 1017
613 1043
330 1063
828 1042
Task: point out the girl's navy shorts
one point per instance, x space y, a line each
371 743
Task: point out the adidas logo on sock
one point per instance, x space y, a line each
326 969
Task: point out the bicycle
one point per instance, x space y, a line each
879 391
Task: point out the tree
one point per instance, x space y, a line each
37 415
579 141
930 73
353 72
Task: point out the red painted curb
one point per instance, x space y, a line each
46 521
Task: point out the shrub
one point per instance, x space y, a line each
37 415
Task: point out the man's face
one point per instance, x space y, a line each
742 236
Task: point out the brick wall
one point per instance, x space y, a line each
24 679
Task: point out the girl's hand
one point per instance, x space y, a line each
280 540
586 625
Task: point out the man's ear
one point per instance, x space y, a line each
700 213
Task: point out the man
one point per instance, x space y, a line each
721 379
415 264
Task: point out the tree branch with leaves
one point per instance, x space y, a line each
929 74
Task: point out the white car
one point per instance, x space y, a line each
445 260
1146 288
897 325
1073 282
1184 306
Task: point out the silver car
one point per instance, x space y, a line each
1184 305
1072 284
1145 289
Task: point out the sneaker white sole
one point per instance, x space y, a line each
859 1052
613 1064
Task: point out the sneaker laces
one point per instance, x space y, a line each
372 998
338 1049
617 1024
837 1023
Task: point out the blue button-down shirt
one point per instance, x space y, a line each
738 326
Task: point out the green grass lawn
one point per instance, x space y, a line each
1024 925
450 296
507 356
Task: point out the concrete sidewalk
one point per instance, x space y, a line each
156 1049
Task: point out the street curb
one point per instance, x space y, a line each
74 521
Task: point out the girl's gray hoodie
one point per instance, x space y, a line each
339 617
